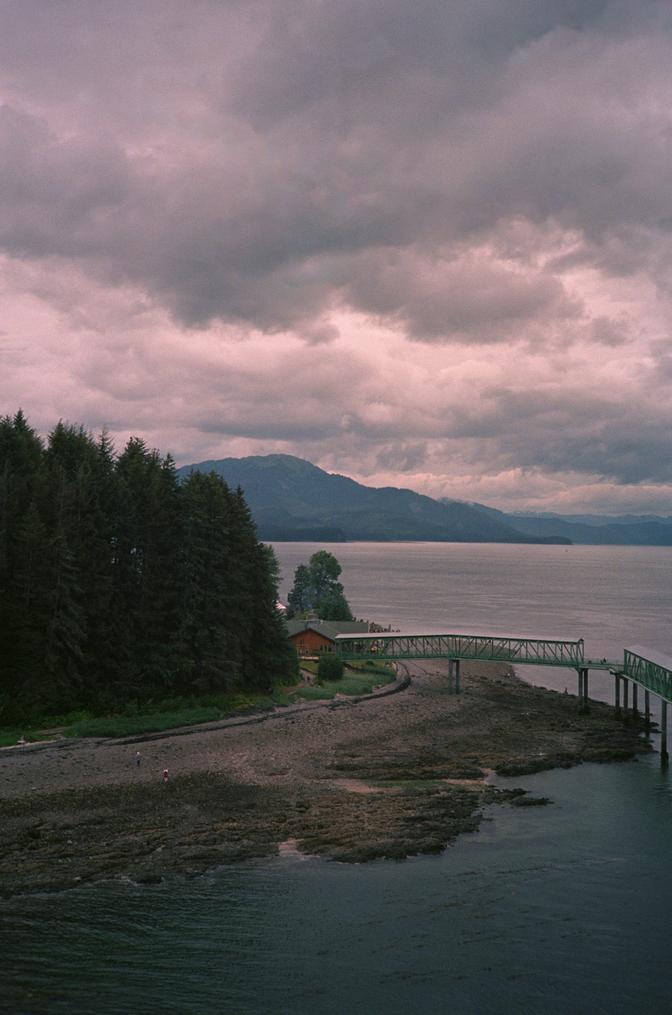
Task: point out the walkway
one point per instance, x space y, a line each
642 667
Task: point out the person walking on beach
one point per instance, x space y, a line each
165 775
138 759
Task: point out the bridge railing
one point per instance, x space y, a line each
493 648
652 671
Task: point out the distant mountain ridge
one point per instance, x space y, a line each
593 519
591 530
291 499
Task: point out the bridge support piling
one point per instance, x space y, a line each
617 694
664 757
634 702
625 698
583 690
457 676
451 674
647 711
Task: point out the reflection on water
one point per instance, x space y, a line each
561 910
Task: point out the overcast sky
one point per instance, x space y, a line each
424 243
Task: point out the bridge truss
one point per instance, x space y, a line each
493 648
651 670
641 667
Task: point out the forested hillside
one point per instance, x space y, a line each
119 582
293 499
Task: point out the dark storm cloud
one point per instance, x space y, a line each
605 435
471 296
484 186
57 197
331 130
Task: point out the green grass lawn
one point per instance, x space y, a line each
9 737
357 679
162 716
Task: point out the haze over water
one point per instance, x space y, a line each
561 910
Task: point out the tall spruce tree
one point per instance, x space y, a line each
267 654
300 600
158 559
23 549
98 520
271 655
118 582
210 638
66 469
317 589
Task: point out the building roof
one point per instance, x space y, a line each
328 628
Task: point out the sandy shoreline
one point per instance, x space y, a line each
390 777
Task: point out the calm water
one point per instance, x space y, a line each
612 597
560 910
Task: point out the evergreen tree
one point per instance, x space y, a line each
317 589
100 506
134 473
210 644
23 549
28 613
157 615
66 468
300 599
117 582
64 634
6 531
270 655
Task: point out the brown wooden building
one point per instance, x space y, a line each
312 636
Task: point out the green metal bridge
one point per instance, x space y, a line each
649 669
640 667
493 648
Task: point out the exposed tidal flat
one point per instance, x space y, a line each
384 778
544 911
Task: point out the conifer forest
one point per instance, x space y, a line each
119 582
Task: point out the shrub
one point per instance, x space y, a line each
330 667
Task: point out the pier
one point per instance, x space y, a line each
640 667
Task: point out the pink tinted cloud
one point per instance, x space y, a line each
427 245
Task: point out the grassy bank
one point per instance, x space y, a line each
358 678
10 737
176 712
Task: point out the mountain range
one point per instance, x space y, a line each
291 499
594 530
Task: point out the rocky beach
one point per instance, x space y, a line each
385 777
